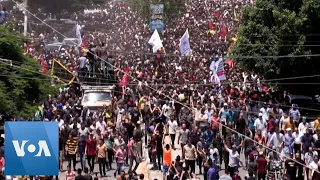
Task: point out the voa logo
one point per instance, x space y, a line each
40 149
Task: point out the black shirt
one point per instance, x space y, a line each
130 129
290 166
88 177
61 144
78 109
299 166
159 143
135 116
80 177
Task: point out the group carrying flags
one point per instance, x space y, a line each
155 41
184 44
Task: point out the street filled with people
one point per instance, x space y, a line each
167 103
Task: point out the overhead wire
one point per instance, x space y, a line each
232 130
143 84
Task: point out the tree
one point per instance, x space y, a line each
280 28
22 87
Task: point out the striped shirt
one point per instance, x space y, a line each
72 146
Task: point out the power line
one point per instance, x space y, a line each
174 99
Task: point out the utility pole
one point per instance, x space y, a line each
25 24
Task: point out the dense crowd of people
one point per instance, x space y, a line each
171 103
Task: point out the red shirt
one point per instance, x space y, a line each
260 138
262 163
215 123
271 124
91 147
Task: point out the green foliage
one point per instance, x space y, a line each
172 9
21 85
280 28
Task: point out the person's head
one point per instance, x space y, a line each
308 132
141 176
260 115
122 173
304 119
184 126
189 142
297 155
79 171
291 119
289 130
178 158
260 154
167 146
86 170
316 158
236 173
101 141
234 148
258 132
91 136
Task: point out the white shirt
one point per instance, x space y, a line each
172 126
297 137
308 157
233 158
283 121
315 137
60 123
313 166
78 126
260 124
303 127
101 126
264 112
203 116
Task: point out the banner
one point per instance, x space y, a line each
62 73
156 17
218 73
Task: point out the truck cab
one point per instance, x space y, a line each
96 97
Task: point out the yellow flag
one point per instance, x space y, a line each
213 32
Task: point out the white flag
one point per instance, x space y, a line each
78 34
155 41
184 44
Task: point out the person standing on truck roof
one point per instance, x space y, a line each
92 62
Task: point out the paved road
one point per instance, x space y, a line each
158 174
110 174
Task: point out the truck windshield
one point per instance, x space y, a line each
96 97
